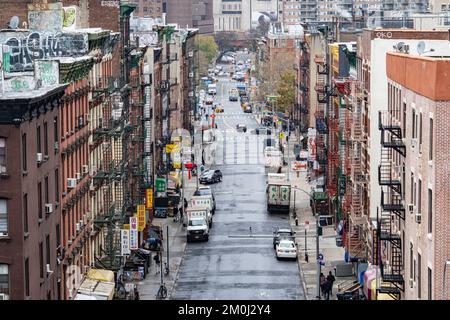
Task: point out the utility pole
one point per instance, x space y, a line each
167 249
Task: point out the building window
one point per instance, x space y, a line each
419 276
24 152
430 211
430 286
430 148
41 260
404 119
38 140
413 124
25 213
27 277
39 191
411 261
56 185
55 129
412 188
46 197
45 139
2 155
419 194
4 279
3 217
58 236
47 248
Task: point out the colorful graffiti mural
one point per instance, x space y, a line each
25 47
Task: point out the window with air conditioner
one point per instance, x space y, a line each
48 208
71 183
3 218
4 282
2 156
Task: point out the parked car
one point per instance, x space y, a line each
209 100
286 249
219 110
211 176
263 130
281 234
241 127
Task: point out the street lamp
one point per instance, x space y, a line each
317 239
443 280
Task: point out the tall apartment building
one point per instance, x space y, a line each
414 218
190 14
297 12
148 8
241 15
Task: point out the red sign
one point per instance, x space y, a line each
213 116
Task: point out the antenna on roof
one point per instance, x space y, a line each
14 22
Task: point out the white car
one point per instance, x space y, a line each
286 249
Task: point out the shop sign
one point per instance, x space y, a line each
125 242
149 198
141 217
160 184
133 233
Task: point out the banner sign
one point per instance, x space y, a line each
125 242
133 233
141 217
149 198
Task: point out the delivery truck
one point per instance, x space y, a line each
200 211
206 201
278 193
197 229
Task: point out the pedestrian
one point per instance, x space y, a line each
136 293
322 283
279 170
327 289
331 279
185 203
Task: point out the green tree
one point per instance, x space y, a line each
208 50
286 91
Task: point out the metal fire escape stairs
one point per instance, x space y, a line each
392 207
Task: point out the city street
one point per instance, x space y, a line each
238 261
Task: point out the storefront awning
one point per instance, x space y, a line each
100 275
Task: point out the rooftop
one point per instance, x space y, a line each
32 94
427 76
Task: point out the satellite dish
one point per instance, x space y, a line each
421 47
14 22
399 46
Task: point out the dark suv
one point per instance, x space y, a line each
211 176
283 233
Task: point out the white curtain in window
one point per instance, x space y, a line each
3 216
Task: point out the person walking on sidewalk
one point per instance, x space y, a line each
323 280
327 289
331 279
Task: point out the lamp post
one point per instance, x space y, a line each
443 279
317 240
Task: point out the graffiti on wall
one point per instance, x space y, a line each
70 18
46 20
146 38
47 71
25 48
20 84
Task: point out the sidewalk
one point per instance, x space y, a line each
333 254
177 246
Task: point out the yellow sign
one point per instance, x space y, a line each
281 135
171 147
141 217
177 165
126 226
149 198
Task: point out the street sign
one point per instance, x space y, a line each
306 224
281 135
161 184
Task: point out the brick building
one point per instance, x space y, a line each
414 129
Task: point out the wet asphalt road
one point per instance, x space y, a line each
237 263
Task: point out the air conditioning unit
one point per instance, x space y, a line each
411 283
48 269
4 296
3 234
190 54
56 146
82 222
71 183
69 242
85 169
2 169
418 217
191 74
39 157
78 176
48 208
410 208
100 122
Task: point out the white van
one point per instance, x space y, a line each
212 89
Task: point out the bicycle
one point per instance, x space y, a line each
162 292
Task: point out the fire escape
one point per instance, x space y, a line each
390 254
324 93
304 88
